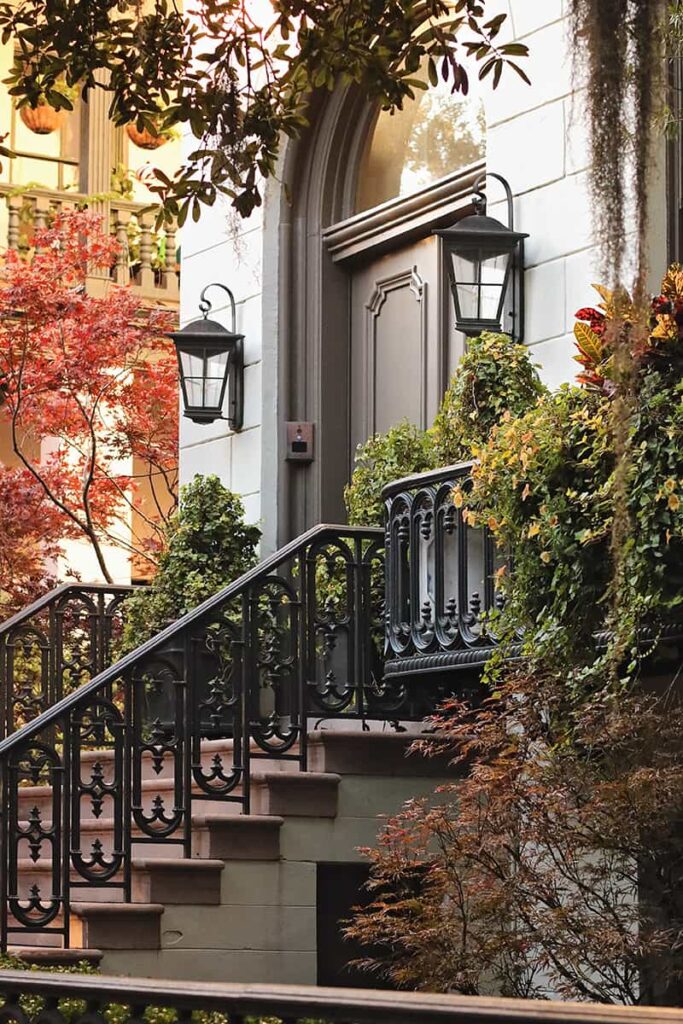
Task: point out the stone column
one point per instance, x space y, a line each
99 160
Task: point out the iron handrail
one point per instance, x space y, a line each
44 602
290 1003
430 476
109 675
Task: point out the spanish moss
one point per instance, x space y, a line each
617 47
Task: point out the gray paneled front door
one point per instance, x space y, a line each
403 347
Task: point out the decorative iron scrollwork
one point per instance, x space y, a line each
120 761
440 578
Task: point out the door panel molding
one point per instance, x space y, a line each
383 287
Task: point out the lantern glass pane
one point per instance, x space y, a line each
216 363
192 363
212 392
194 391
493 277
465 275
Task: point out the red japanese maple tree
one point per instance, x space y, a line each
90 395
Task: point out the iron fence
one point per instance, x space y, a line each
441 579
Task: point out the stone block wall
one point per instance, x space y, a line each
536 139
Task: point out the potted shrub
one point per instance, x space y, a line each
209 546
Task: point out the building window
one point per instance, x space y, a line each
433 135
47 161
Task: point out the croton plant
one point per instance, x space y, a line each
595 342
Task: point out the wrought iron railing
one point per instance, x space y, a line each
54 645
285 1004
120 761
441 578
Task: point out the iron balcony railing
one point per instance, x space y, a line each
119 762
441 579
54 645
286 1004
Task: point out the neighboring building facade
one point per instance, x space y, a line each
81 158
340 286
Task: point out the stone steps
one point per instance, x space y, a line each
249 887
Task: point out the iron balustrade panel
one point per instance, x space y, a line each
54 646
441 576
116 765
288 1004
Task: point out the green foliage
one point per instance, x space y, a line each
153 56
209 546
546 485
403 450
543 485
567 885
494 377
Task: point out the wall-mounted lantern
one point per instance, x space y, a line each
211 361
485 261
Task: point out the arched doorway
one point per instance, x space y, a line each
367 338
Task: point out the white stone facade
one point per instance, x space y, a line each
535 139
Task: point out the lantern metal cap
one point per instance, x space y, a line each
202 331
478 226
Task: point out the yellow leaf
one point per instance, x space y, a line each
589 342
605 294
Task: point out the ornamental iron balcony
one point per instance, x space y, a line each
441 581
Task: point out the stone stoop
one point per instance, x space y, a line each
244 907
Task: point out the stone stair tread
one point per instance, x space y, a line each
54 956
118 925
304 795
238 820
177 864
123 909
296 778
376 752
26 865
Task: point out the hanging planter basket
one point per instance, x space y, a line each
145 139
43 119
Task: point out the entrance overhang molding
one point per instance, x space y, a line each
403 219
